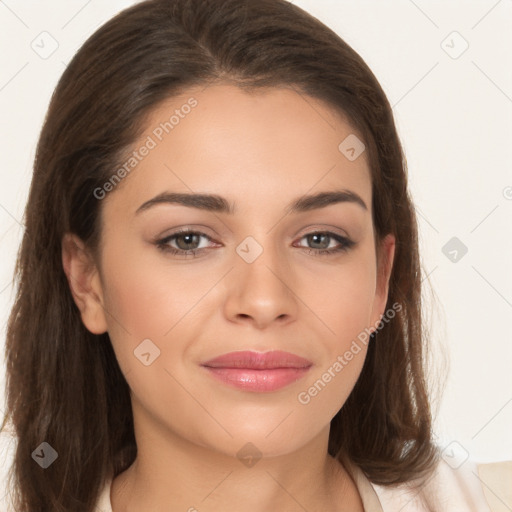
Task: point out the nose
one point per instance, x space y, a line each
261 292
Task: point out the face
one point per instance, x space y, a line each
267 275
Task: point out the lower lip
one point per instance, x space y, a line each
258 380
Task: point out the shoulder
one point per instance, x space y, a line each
104 504
496 479
8 443
453 487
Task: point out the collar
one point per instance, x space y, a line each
365 488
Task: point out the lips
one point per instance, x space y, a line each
258 361
258 372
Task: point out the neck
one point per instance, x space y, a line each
171 473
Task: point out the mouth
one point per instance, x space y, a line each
258 372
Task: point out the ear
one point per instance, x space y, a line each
84 283
385 258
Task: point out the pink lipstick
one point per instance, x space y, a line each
256 371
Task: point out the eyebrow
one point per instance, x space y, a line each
216 203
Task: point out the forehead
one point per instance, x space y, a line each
266 145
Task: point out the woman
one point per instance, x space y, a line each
219 282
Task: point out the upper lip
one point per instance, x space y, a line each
258 360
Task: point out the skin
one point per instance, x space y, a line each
260 151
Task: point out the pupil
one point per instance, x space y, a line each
319 236
187 241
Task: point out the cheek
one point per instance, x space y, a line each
148 298
340 299
342 303
344 308
324 394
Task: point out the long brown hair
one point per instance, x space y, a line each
64 385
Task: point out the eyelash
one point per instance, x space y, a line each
163 244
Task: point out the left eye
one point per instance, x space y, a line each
189 237
315 238
183 239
